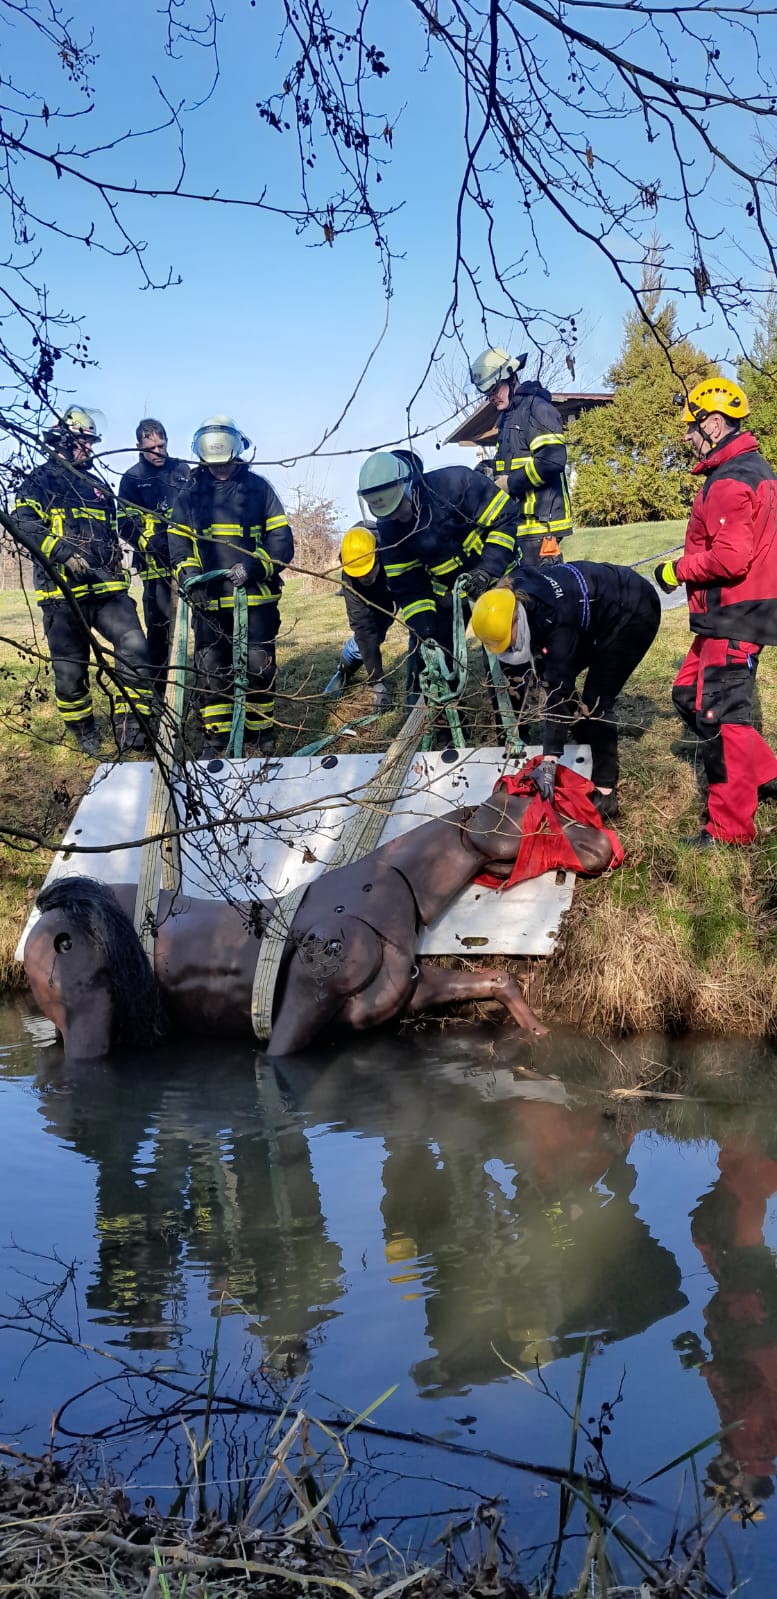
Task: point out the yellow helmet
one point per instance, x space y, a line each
357 551
492 619
716 394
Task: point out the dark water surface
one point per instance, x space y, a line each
406 1212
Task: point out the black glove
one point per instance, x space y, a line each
381 698
238 575
77 566
476 582
666 577
544 779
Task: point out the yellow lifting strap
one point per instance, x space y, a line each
160 862
360 835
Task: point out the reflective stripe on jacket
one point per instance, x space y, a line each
143 491
215 524
66 510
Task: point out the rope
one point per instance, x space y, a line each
160 862
360 835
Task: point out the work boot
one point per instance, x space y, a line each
767 792
215 747
129 734
704 840
267 742
87 737
606 804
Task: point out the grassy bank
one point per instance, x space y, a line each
673 940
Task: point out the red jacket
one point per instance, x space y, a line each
730 558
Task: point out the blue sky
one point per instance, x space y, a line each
263 326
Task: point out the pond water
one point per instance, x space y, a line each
411 1213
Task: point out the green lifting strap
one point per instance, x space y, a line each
442 685
239 658
160 861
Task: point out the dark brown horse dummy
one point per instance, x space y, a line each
350 959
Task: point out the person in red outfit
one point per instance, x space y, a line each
729 566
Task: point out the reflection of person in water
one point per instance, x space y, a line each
511 1217
741 1317
188 1172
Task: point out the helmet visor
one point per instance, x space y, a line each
384 501
217 446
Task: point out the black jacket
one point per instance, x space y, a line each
215 524
143 490
461 521
371 610
531 450
574 611
65 510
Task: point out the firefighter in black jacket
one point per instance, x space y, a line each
147 493
561 621
69 515
432 528
531 456
371 609
229 519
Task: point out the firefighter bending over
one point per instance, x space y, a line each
371 609
531 456
69 515
229 519
147 493
729 567
432 528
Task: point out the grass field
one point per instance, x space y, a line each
673 939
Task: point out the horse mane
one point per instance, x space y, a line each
138 1017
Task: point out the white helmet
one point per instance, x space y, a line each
384 481
494 367
218 441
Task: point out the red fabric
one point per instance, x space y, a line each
544 846
747 760
730 557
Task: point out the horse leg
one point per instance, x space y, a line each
440 986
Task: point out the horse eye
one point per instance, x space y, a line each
63 941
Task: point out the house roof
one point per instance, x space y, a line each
482 425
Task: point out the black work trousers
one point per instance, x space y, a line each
157 612
115 618
214 672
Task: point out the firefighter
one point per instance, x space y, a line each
147 493
432 528
229 519
69 514
371 609
729 567
561 621
531 455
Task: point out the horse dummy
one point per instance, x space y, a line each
349 962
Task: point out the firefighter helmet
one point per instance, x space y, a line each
219 441
492 619
76 425
493 367
358 551
384 481
716 394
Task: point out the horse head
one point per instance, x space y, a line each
88 973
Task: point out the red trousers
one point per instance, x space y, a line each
713 692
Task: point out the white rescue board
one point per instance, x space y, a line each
279 822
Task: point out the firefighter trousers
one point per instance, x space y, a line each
713 693
214 674
157 611
115 618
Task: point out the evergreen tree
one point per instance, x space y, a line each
629 458
758 377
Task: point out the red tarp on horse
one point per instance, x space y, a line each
545 847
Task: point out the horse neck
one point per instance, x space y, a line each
437 862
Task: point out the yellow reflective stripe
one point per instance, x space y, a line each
226 602
499 465
32 505
506 540
519 460
545 438
88 511
181 532
223 530
276 521
417 607
49 543
147 530
398 567
533 475
561 525
493 508
473 541
446 566
192 561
